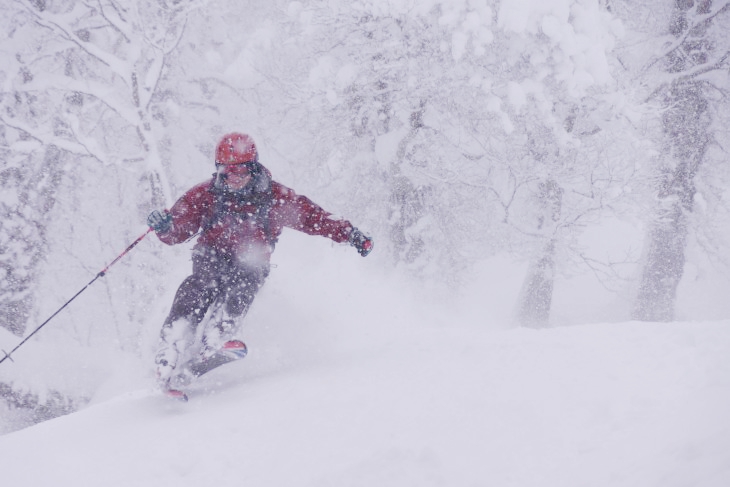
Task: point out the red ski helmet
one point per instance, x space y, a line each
236 148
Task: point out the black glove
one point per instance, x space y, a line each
160 221
361 242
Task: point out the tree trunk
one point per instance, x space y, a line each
407 201
533 310
663 266
23 243
685 129
685 124
537 291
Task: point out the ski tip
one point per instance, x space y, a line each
176 394
235 347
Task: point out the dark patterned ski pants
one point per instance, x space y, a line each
221 287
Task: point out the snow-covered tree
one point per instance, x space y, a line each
81 93
690 92
558 98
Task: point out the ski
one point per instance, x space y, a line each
231 351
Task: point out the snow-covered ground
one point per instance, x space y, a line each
350 383
630 404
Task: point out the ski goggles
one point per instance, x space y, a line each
240 170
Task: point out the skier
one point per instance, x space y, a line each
239 215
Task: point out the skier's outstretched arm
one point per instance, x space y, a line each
300 213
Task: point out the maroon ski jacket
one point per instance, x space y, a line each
247 227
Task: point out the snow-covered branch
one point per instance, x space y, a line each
687 31
97 90
58 25
45 139
117 22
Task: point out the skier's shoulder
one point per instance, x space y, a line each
199 192
281 192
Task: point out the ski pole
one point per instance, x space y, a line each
100 274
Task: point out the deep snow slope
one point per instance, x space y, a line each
629 404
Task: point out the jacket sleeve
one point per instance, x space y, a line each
187 215
300 213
